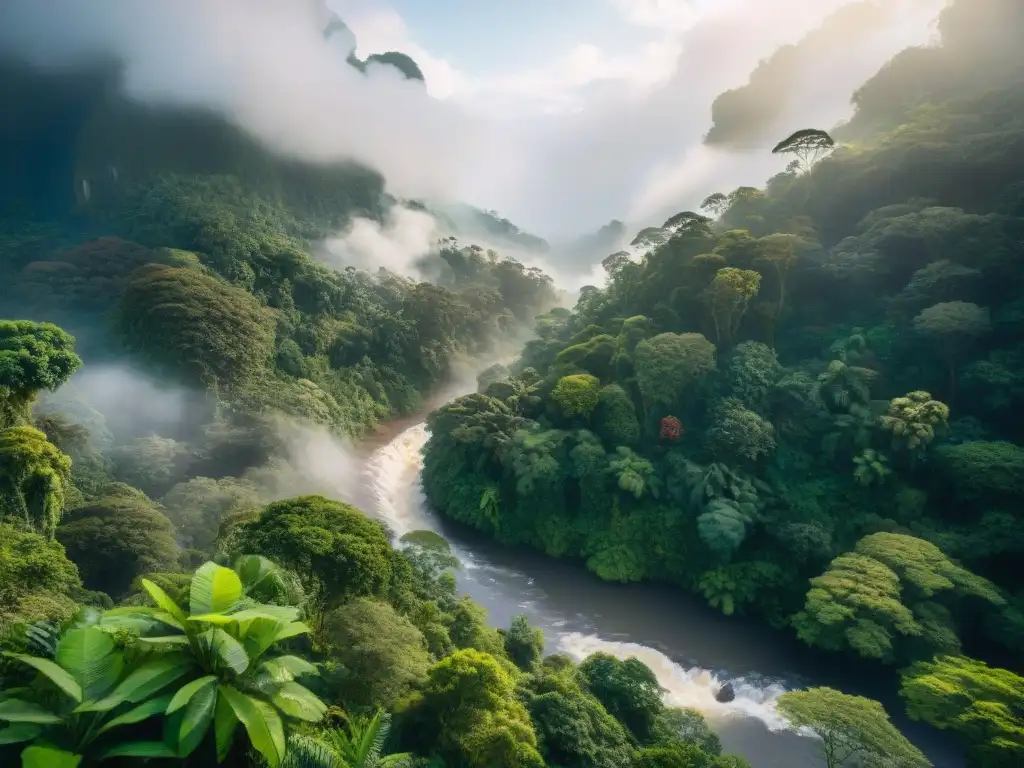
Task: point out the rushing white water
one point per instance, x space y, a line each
692 688
391 475
392 478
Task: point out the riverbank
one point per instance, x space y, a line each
691 647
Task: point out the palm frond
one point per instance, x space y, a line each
310 752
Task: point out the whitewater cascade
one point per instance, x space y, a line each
391 478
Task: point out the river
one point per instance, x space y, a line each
691 648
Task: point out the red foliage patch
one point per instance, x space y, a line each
671 428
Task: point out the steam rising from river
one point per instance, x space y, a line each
391 477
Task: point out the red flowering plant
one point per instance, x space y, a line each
671 428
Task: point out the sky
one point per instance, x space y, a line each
609 99
561 115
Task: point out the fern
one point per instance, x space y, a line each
359 745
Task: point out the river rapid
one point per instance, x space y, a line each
691 648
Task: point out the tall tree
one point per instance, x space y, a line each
196 326
117 538
336 550
980 703
728 296
809 145
781 251
854 731
33 357
34 479
952 327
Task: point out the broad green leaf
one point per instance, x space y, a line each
164 640
166 618
19 732
139 749
187 691
298 701
252 569
224 725
163 600
260 574
128 610
291 630
198 715
283 613
220 619
142 624
54 673
48 757
89 655
285 668
141 683
227 651
13 693
18 711
214 589
145 710
259 635
261 722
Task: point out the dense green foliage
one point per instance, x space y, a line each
185 664
807 407
299 654
319 638
853 730
968 697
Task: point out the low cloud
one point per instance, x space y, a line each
404 236
559 148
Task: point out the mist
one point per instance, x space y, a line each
130 402
620 149
405 236
396 244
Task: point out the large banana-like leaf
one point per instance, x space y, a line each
214 589
261 722
298 701
136 715
163 600
19 711
141 683
41 756
259 635
294 629
259 574
217 619
19 732
225 723
284 668
53 672
187 691
89 655
139 749
165 640
196 719
226 652
282 613
143 624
